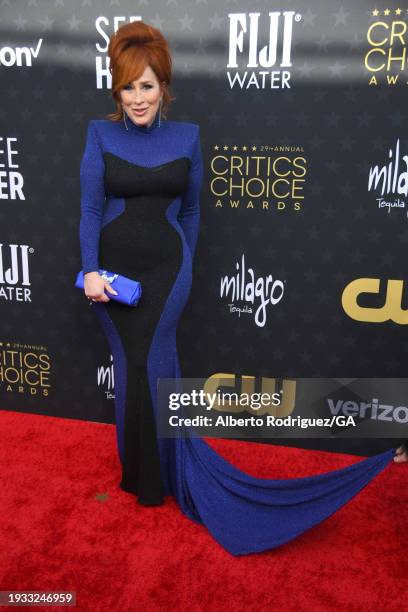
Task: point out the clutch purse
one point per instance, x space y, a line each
129 291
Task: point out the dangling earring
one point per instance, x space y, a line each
124 118
160 107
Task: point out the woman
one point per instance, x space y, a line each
149 171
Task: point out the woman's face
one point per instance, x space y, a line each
141 98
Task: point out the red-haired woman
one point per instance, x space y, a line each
141 176
149 171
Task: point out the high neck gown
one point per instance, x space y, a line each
140 192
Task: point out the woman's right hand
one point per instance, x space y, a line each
94 287
401 454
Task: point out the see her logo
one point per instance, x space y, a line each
11 181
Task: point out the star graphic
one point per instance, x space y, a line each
332 166
157 22
336 69
62 50
186 22
308 18
322 42
73 23
355 42
350 94
47 23
341 17
20 23
305 69
316 142
216 22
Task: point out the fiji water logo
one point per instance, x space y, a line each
244 51
15 284
250 294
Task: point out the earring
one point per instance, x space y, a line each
124 118
160 107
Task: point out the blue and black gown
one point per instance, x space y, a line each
140 191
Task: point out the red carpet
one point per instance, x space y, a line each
66 525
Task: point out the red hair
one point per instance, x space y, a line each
132 48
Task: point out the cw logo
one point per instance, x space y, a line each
246 385
390 311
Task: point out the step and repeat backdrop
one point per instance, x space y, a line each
301 265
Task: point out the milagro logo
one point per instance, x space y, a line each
106 379
386 57
244 51
11 181
390 180
105 27
15 273
19 56
253 294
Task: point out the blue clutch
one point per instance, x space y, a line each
129 291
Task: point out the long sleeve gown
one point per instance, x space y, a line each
140 190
